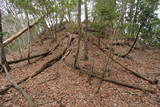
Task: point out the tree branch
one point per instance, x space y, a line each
18 88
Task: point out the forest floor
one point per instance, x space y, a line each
60 85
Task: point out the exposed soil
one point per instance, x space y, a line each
63 86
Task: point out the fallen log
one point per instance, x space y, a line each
135 73
18 88
31 57
49 63
121 44
92 74
45 66
98 76
34 56
18 34
129 70
53 60
108 48
3 91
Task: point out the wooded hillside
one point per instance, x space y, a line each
80 53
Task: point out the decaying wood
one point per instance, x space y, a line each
53 60
3 91
34 56
108 48
98 76
18 34
121 44
117 82
129 70
155 73
31 57
18 88
65 55
49 63
134 73
45 66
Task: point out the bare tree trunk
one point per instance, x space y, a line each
80 34
49 28
69 14
86 34
139 30
20 48
29 39
134 21
18 88
55 30
2 54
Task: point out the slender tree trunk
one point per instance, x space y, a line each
2 54
18 88
50 24
20 41
69 14
131 10
29 39
86 34
55 30
137 35
80 34
134 21
124 8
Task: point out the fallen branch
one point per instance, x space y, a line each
155 73
67 53
53 60
18 34
135 73
129 70
45 66
49 63
98 76
18 88
116 82
23 59
121 44
108 48
3 91
34 56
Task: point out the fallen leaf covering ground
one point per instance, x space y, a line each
61 86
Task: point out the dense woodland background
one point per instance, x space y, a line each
125 17
117 28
